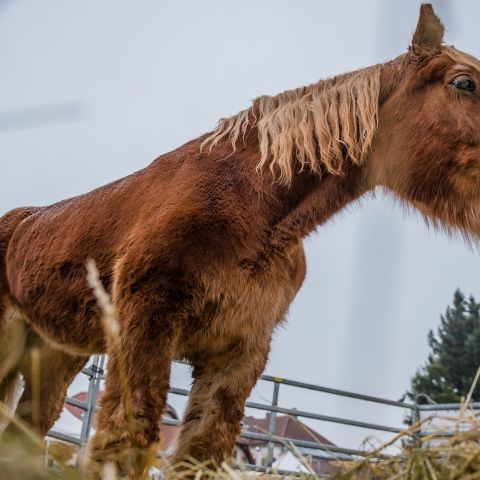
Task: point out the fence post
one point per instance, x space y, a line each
416 415
95 373
415 419
272 427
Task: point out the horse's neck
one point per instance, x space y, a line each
316 204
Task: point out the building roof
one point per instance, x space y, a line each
286 426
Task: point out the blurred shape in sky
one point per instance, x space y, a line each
42 115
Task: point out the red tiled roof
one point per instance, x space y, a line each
286 426
76 411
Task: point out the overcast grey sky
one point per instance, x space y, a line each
122 82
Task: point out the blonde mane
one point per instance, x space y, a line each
320 125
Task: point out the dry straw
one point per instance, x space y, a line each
112 333
451 452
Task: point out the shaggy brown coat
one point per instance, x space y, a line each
202 250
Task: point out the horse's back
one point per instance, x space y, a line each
170 223
43 269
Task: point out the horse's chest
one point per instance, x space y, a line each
240 307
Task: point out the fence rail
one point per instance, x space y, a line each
95 373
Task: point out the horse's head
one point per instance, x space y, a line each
427 145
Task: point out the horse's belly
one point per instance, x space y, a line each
64 316
75 336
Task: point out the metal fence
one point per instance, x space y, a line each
96 372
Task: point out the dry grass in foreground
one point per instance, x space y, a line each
437 456
447 452
452 453
433 457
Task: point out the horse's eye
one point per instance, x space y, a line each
464 82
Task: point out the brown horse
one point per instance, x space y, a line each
202 250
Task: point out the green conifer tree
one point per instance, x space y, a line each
455 354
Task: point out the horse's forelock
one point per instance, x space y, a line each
461 57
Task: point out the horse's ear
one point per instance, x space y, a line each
429 31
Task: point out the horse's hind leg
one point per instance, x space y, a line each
56 370
13 329
11 390
13 333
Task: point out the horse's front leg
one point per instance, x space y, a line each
215 410
128 422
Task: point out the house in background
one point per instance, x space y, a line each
253 451
169 432
285 457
